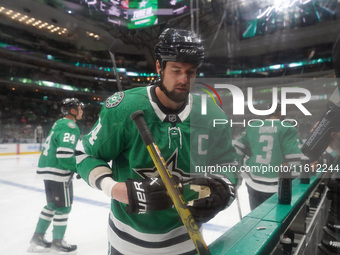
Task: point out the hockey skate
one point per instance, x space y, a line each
59 246
39 244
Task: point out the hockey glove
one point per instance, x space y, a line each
147 195
216 193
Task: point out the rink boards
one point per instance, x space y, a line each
258 233
19 148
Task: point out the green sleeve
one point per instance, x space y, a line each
104 142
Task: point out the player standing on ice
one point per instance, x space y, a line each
142 218
268 145
56 166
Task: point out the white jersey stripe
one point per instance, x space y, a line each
64 149
158 111
61 217
126 247
185 113
241 145
50 212
295 163
147 237
60 223
54 170
81 151
297 155
239 152
54 174
44 217
80 158
64 155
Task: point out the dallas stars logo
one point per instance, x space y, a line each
172 167
114 100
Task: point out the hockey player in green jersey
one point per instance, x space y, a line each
269 146
142 218
57 164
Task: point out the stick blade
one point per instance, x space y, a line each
115 45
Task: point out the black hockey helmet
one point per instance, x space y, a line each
179 45
70 103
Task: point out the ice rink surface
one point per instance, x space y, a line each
22 198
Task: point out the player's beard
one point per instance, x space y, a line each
173 95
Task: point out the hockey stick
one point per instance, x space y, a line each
238 204
171 187
113 48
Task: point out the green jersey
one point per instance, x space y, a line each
57 160
183 145
270 146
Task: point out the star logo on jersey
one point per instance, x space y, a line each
114 100
172 167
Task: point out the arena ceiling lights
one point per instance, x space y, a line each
30 21
90 34
38 24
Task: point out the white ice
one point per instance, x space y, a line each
22 197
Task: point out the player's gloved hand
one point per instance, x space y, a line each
216 192
333 194
148 195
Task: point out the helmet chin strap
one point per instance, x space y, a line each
160 83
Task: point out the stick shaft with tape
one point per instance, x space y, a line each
113 48
171 187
